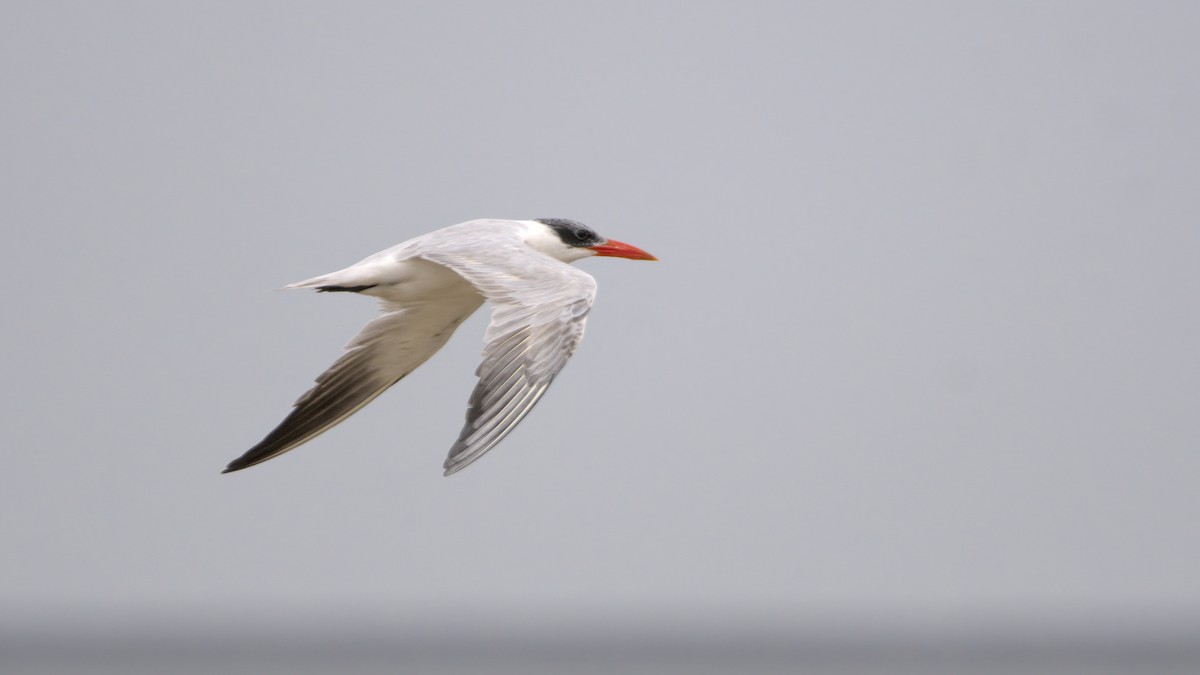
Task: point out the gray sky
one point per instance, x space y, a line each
923 338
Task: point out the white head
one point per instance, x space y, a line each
569 240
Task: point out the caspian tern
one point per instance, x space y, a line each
429 285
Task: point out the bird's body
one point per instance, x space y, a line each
427 287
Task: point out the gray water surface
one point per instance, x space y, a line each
576 647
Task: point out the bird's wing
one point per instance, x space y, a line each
386 350
541 306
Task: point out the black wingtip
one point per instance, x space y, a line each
344 289
237 465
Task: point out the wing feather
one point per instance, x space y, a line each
386 350
541 307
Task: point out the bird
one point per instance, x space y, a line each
426 288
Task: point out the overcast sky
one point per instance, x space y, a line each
923 337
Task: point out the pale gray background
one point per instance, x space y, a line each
923 343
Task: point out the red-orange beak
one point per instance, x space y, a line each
616 249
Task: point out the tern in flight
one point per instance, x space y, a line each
429 285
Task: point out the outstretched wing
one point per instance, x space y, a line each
541 307
386 350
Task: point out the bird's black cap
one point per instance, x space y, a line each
572 232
